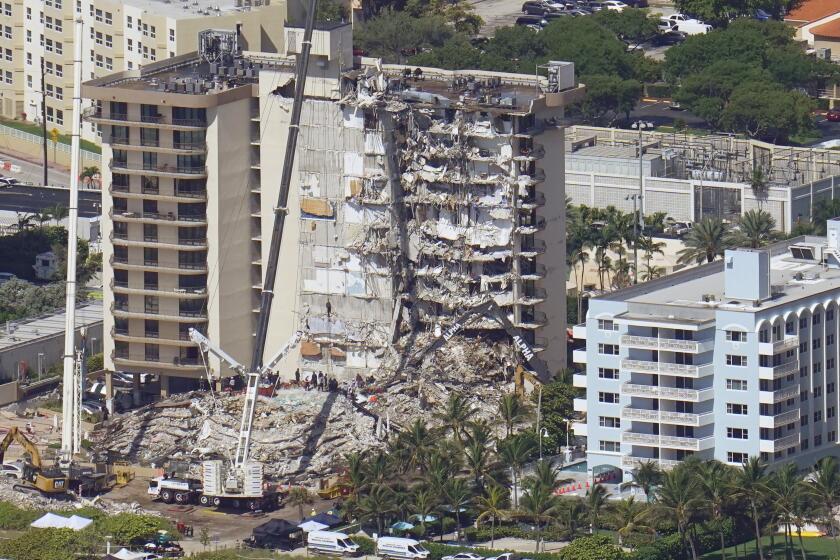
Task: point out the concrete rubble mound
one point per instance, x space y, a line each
300 435
30 500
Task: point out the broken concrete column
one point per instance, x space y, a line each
164 386
109 391
135 389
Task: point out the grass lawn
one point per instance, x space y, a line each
816 548
36 129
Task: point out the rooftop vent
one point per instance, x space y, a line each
747 274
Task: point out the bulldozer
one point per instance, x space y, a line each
36 478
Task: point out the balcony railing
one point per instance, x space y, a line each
780 444
636 462
189 145
673 393
154 119
667 368
188 122
116 139
186 193
779 395
780 419
669 344
667 417
673 442
779 371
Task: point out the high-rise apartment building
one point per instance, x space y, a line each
118 35
727 360
416 193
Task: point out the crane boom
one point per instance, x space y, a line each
205 345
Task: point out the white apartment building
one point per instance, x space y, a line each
416 193
118 35
728 360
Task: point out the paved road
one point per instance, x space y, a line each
36 199
34 172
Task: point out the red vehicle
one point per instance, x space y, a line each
833 115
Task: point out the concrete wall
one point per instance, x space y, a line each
31 145
52 347
8 393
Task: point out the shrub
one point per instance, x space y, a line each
366 546
592 547
15 518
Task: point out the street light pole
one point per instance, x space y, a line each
638 214
44 117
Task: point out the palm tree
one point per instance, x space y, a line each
378 504
621 273
824 487
515 452
716 482
511 410
378 469
456 415
457 495
755 228
300 496
645 476
679 500
823 211
42 218
596 501
750 485
651 247
539 504
706 241
787 489
630 516
356 472
571 512
24 221
652 273
656 221
546 474
493 506
58 212
424 503
417 442
479 460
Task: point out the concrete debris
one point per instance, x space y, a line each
29 500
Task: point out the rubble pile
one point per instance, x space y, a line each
297 434
34 500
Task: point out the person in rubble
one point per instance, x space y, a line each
320 380
297 377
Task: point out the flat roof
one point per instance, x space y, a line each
702 287
48 325
189 9
607 151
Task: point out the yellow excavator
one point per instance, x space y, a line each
50 482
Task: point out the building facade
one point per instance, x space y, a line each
118 35
728 360
416 193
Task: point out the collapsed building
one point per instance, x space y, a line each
416 194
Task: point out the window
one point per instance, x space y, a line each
59 48
736 457
145 29
803 420
803 371
152 31
59 117
129 21
611 349
832 436
803 396
815 320
171 54
736 336
78 6
29 13
829 340
59 70
829 388
803 347
28 35
736 384
611 398
816 343
736 408
803 322
99 40
49 45
804 444
171 34
109 63
48 23
817 391
152 55
817 440
28 81
764 335
737 433
109 41
108 18
7 9
609 422
9 78
818 416
829 315
610 446
736 360
91 10
59 93
98 15
130 45
607 373
607 325
9 55
99 61
58 25
7 32
829 413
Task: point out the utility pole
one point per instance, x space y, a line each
44 117
638 211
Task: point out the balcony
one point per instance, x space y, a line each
579 331
533 201
533 272
667 344
531 227
779 420
631 462
175 244
779 371
667 368
667 417
175 268
532 248
147 193
532 178
579 356
97 115
158 218
526 153
772 397
579 429
579 380
781 444
126 312
783 345
536 320
151 290
163 170
532 297
670 442
671 393
140 361
580 405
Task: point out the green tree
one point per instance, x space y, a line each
418 442
716 484
540 505
96 362
396 35
706 241
824 210
130 528
631 26
609 97
767 111
330 10
755 228
378 504
515 452
456 415
557 410
493 506
511 410
629 517
645 477
824 487
424 504
596 503
679 500
750 485
592 547
457 496
299 497
204 537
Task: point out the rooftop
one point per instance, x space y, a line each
187 9
702 287
45 326
813 10
830 29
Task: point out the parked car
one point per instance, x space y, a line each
761 15
693 27
8 182
679 228
668 38
637 3
675 18
833 115
593 6
537 22
464 556
6 276
14 469
534 7
615 5
551 16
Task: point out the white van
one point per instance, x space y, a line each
394 547
330 542
693 27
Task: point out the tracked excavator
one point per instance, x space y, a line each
36 478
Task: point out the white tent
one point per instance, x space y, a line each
125 554
53 521
310 526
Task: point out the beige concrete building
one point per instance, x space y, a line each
118 35
416 193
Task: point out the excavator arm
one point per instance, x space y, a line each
15 435
488 309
